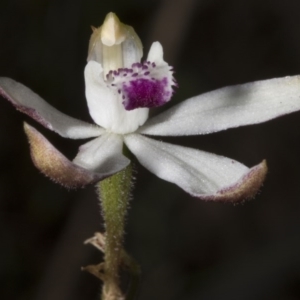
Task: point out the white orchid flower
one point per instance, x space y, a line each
120 90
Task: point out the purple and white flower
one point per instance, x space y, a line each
120 90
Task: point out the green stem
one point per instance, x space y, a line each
114 195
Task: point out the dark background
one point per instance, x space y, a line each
188 249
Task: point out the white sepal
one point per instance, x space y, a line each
201 174
228 107
28 102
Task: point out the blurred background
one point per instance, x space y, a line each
188 249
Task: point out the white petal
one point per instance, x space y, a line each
59 168
103 154
201 174
33 105
229 107
156 53
105 104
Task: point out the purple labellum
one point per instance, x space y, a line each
144 92
144 85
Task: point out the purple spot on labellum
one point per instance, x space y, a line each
146 93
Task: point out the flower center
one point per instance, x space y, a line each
143 85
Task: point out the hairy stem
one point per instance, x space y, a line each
114 193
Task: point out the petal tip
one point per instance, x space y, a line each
245 189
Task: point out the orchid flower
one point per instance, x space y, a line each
120 90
